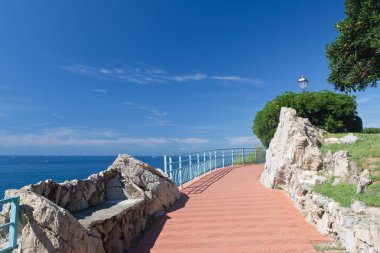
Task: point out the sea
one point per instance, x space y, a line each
18 171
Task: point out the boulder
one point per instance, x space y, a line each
364 180
341 163
338 165
294 147
332 140
159 191
348 139
46 227
103 213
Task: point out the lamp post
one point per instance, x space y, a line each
303 83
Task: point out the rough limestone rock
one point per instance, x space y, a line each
294 148
102 213
77 195
364 180
348 139
357 228
354 172
47 227
337 164
341 163
359 207
160 192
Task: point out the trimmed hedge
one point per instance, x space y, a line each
371 130
327 110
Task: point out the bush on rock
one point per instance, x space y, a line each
327 110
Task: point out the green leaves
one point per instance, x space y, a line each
355 55
327 110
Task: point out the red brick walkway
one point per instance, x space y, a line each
230 211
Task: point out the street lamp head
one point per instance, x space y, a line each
303 83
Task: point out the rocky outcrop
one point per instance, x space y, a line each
336 164
77 195
46 227
288 166
293 149
159 191
103 213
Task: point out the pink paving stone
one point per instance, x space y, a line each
230 211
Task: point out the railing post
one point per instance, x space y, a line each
223 158
204 162
232 157
165 168
209 157
171 169
180 170
198 164
242 155
14 220
191 170
215 159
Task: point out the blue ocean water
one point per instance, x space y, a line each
18 171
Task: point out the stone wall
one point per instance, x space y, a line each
357 228
131 191
293 163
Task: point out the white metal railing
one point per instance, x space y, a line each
184 168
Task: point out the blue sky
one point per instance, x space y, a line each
155 77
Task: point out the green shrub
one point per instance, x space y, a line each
371 130
327 110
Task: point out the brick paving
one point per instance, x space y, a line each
230 211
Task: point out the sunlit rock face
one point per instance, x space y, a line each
294 148
102 213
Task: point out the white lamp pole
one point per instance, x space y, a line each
303 82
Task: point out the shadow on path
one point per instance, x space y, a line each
147 239
202 184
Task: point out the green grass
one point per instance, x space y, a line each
327 247
368 146
343 193
376 172
250 158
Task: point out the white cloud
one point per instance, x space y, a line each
190 140
155 115
61 137
102 91
243 140
185 78
146 75
158 121
237 79
70 137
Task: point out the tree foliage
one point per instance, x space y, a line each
355 55
327 110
